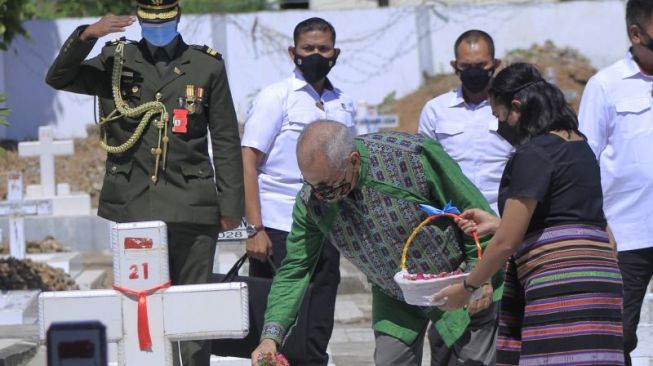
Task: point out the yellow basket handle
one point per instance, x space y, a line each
419 227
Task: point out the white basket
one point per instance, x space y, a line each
421 291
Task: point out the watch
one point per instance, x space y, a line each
469 288
252 230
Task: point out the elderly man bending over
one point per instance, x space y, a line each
363 195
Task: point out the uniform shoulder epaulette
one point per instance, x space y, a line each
208 50
115 41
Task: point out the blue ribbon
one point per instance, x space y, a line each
448 208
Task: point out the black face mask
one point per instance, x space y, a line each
508 132
314 67
475 78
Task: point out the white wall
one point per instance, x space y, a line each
384 50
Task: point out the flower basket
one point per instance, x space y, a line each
419 288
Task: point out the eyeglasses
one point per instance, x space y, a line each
326 192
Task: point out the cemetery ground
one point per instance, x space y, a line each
352 342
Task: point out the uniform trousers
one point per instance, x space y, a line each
321 308
191 249
636 268
476 347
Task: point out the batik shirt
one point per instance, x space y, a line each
370 226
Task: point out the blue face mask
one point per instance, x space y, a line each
159 34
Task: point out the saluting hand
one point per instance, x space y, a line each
107 25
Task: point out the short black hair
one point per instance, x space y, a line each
473 36
543 106
638 12
313 24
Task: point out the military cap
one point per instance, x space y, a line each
157 11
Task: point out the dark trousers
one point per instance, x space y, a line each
191 249
636 270
322 304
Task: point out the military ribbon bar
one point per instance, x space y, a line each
144 338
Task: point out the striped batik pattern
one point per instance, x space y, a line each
562 301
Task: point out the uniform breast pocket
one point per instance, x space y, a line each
444 130
131 94
631 121
341 114
298 120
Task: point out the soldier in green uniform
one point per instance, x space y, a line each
160 102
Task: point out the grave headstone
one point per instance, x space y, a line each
18 307
143 314
64 202
16 208
368 119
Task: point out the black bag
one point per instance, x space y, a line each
258 289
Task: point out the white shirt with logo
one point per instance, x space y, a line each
468 133
616 116
277 116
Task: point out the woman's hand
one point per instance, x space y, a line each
454 297
478 220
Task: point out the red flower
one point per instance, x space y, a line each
269 359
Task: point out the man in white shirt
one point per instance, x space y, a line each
272 178
462 121
616 116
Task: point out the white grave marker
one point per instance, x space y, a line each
143 315
15 208
46 149
368 119
64 202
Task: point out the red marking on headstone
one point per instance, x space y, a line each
138 243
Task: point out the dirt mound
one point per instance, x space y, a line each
25 274
565 66
47 245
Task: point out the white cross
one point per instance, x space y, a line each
178 313
15 208
46 149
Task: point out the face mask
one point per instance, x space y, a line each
314 67
508 132
159 34
475 78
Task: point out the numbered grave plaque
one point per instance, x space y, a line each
140 254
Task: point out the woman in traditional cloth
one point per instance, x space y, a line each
563 291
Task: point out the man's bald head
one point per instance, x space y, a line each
325 142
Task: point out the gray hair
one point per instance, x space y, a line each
330 138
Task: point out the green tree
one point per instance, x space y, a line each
12 14
221 6
52 9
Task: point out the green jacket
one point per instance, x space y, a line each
369 227
187 189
